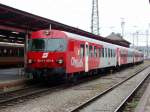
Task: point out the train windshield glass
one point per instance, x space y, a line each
47 45
56 45
36 44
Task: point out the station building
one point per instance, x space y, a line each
118 38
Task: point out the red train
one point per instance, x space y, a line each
54 52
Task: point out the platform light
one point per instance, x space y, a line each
15 32
12 37
2 36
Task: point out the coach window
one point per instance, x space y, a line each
90 51
10 51
18 53
99 52
111 53
0 52
13 52
102 52
81 50
95 51
87 50
108 52
105 52
5 51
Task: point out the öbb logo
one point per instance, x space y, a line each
45 55
76 62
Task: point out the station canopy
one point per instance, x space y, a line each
14 24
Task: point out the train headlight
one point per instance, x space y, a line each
30 61
60 61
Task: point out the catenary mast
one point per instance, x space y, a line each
95 18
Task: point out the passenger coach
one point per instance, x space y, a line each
59 53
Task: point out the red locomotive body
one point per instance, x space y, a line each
54 52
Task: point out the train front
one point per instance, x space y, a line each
46 55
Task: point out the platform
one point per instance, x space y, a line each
11 79
144 104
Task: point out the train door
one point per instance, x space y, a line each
86 57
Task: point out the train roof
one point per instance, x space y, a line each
79 37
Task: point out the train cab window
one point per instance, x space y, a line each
95 51
105 52
53 44
90 51
81 50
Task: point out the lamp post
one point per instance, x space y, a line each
147 43
137 37
134 34
122 27
133 40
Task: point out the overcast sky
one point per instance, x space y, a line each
77 13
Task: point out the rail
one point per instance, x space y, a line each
87 103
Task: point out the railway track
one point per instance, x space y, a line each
35 91
26 93
90 104
10 99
